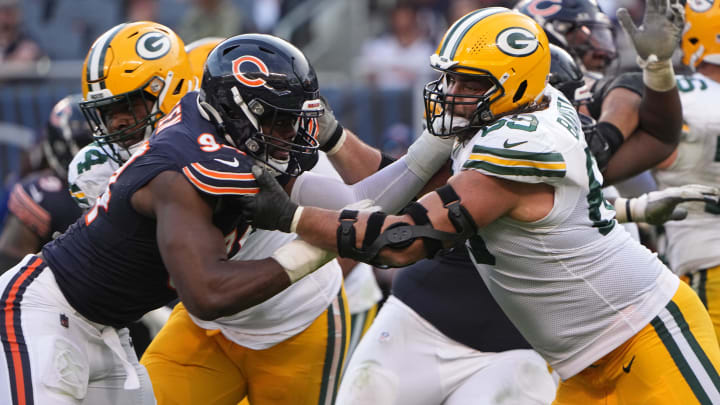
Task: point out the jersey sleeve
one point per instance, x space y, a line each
22 204
516 155
88 175
227 174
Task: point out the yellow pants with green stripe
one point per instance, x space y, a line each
706 283
674 360
191 365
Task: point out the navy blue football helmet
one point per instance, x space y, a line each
67 132
263 94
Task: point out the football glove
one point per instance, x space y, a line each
658 207
656 40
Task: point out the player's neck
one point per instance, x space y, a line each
709 70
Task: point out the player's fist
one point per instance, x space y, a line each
271 207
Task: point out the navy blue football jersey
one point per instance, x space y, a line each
42 202
449 293
108 264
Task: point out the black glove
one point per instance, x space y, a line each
271 208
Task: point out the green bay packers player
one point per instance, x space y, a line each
692 245
603 311
132 76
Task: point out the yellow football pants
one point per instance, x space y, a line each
706 284
674 360
359 324
191 365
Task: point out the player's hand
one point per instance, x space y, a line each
328 136
271 207
660 32
658 207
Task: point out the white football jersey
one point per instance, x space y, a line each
287 313
693 243
574 283
89 173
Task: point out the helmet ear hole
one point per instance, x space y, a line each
520 91
693 40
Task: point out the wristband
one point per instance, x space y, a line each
299 258
338 137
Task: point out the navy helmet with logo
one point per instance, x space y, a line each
579 26
263 94
137 72
67 132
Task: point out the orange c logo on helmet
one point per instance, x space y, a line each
241 77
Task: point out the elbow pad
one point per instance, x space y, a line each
603 138
401 235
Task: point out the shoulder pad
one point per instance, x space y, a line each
89 173
516 155
224 174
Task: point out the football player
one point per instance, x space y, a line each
692 244
526 195
134 73
39 204
638 121
198 51
289 348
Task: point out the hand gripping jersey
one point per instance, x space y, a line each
89 172
574 283
107 264
693 243
41 202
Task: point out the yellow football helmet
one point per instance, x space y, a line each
701 39
198 52
142 60
504 47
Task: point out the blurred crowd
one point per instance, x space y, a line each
399 36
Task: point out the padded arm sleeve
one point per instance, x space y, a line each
391 189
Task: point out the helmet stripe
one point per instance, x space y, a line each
462 26
96 60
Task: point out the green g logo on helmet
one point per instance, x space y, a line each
516 41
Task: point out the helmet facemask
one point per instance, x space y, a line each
253 127
140 106
460 114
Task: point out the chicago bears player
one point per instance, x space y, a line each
691 245
289 348
526 195
39 204
129 255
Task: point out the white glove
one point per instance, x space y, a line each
655 40
658 207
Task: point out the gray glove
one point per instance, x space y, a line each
270 208
330 131
661 30
658 207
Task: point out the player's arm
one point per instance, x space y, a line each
659 112
193 251
353 159
440 219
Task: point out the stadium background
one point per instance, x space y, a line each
348 41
